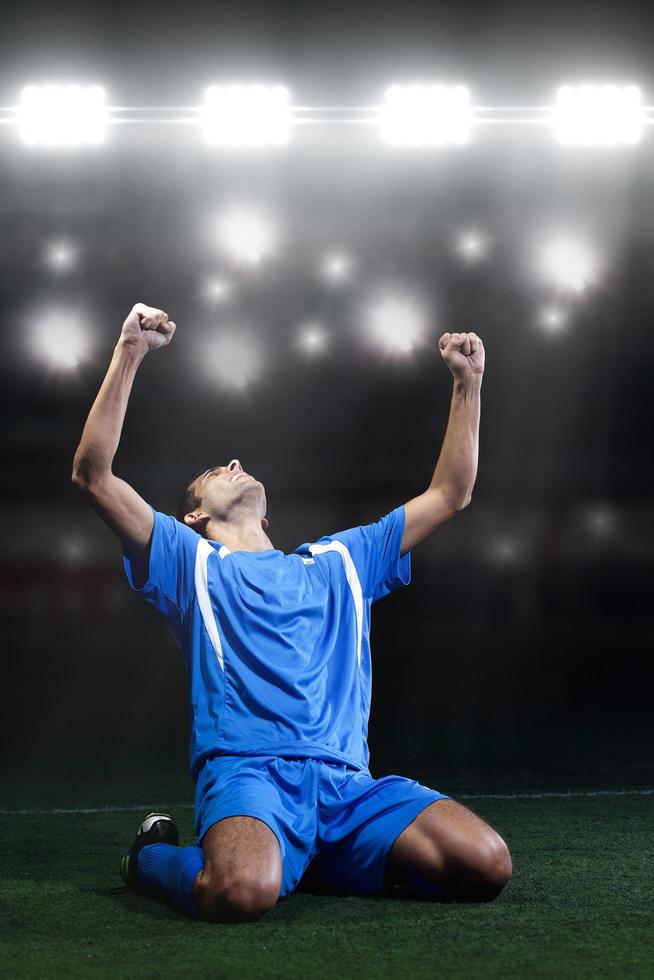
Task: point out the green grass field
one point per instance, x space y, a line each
579 905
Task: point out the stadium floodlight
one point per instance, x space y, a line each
218 290
569 264
233 358
60 338
336 268
62 115
472 246
552 318
60 256
426 115
246 115
313 338
396 321
598 115
245 235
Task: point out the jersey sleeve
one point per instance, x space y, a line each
167 581
375 551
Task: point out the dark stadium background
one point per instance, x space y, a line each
520 655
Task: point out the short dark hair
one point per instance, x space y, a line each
188 501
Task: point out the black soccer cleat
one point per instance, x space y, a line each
157 828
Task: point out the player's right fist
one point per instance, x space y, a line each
146 328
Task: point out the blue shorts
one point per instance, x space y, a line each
333 815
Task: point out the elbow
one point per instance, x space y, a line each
463 503
84 476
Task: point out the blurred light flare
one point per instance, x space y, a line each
246 236
60 338
553 319
246 115
62 115
233 357
395 320
472 245
569 264
60 256
598 115
426 115
336 267
313 338
218 290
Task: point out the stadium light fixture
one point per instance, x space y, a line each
552 318
396 321
232 358
246 115
472 246
336 268
245 236
60 339
313 338
62 115
60 256
598 115
218 291
426 115
569 264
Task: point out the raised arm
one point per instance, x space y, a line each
117 503
456 470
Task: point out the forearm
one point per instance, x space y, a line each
456 469
104 424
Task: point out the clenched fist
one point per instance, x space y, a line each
146 328
463 353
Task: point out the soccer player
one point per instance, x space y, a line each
278 656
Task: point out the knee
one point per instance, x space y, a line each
242 898
492 870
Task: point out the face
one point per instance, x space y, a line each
226 489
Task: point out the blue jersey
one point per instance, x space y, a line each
277 646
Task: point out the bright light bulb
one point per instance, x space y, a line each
598 115
245 236
426 115
62 115
246 115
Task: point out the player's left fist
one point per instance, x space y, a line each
463 353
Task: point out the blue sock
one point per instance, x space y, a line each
173 871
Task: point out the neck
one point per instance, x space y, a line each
249 536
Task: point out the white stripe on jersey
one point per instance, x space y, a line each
353 582
202 591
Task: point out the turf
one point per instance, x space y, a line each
579 905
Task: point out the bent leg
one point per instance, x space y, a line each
453 847
242 874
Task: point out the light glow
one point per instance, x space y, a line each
233 358
336 268
397 321
598 115
218 291
62 115
60 256
245 236
60 339
246 115
426 115
472 246
553 319
313 338
569 264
